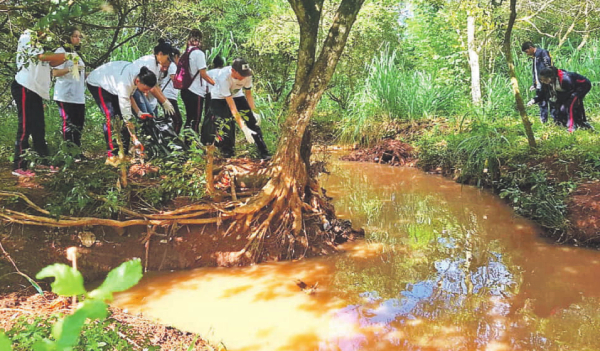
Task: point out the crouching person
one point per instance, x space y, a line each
566 90
112 86
231 102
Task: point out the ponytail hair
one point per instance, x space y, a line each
147 77
163 47
195 35
218 62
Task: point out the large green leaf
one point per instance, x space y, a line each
68 281
66 331
5 344
119 279
44 345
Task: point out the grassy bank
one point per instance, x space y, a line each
495 154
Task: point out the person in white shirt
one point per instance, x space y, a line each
69 88
209 125
231 97
158 63
193 96
171 93
112 86
30 87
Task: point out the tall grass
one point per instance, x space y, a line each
392 93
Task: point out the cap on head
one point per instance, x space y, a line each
242 67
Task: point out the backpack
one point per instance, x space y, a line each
183 77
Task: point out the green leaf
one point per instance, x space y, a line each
66 331
44 345
5 344
119 279
68 281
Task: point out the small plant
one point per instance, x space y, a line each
69 282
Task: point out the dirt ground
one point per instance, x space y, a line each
388 151
16 305
583 211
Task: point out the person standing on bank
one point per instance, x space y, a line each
30 87
193 96
112 86
566 90
541 60
171 93
209 124
231 98
69 89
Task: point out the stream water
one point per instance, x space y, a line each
443 267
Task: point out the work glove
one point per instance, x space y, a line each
168 107
258 117
138 145
143 115
531 102
248 133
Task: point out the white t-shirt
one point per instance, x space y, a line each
67 88
226 86
197 62
167 84
153 65
33 76
213 73
118 78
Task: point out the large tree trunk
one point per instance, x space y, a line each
280 206
513 77
473 61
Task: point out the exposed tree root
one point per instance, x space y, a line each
278 214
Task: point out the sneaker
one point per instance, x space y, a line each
23 173
265 157
80 158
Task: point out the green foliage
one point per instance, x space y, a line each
69 282
95 335
392 93
534 196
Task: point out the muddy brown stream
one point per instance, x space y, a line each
443 267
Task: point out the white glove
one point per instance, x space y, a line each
531 102
258 117
75 71
248 134
532 88
168 107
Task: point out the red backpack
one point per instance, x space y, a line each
183 77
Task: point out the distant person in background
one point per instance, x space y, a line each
193 96
171 93
30 87
541 60
69 89
158 63
231 102
566 90
209 124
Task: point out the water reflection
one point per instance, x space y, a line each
444 267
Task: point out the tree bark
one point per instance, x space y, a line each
473 61
513 77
